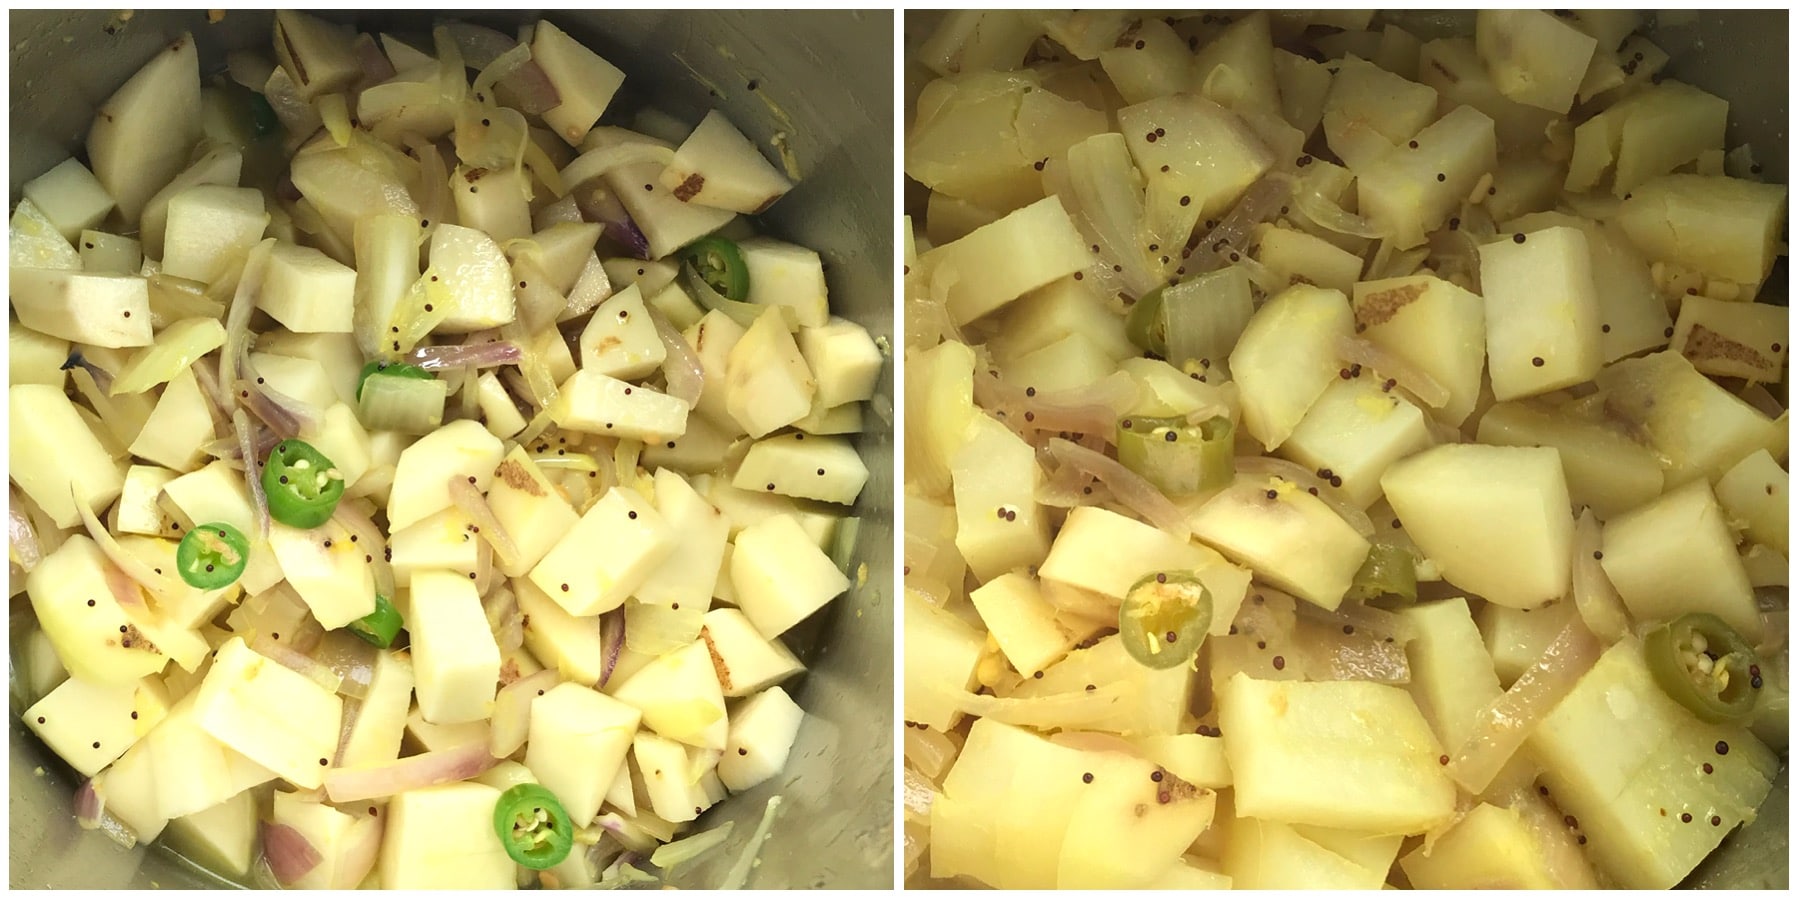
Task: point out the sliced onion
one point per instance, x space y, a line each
369 537
103 380
1265 278
286 416
530 90
1072 710
376 68
1365 619
484 355
468 498
504 618
1598 603
291 856
930 751
1128 487
160 587
612 641
1407 376
598 205
435 203
89 806
1454 253
315 671
351 659
1330 216
1305 478
512 712
595 163
1504 725
246 436
1093 409
689 848
498 68
739 873
681 366
344 785
1260 203
1069 487
19 532
243 308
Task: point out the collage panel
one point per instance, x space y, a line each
1345 449
451 449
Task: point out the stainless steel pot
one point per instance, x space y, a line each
823 83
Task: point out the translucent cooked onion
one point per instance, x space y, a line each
484 355
291 856
681 366
314 670
1094 409
1330 216
237 319
1413 380
612 641
1504 725
916 793
345 785
595 163
1053 711
598 205
1312 484
1128 487
1598 603
22 538
929 750
89 806
1260 203
136 570
246 437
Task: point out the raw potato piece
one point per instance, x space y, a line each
1605 469
1432 324
1543 315
767 383
1339 754
679 696
620 340
995 264
1453 679
1100 551
210 226
761 736
1369 112
577 747
269 713
1212 156
585 82
307 291
456 663
143 132
598 404
942 652
1287 357
1266 855
822 468
1732 339
1495 519
1695 424
1292 538
1626 761
1675 555
717 166
1021 622
88 638
1416 187
995 478
99 310
1534 57
617 544
691 571
781 576
745 661
222 837
70 197
90 725
1490 848
422 475
1755 493
327 570
55 457
1726 227
443 837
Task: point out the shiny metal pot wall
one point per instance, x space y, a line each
823 83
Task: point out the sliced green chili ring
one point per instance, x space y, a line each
379 627
1704 665
1144 323
302 484
398 370
1178 457
1164 619
1387 577
721 265
262 115
533 827
212 555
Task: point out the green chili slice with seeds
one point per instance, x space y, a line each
720 264
1387 577
1178 457
212 555
302 484
1704 665
1164 619
533 827
379 627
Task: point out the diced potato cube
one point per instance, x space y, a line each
35 243
1155 701
579 738
617 544
529 507
1732 339
456 663
570 644
1286 358
1453 678
440 541
1543 315
381 724
781 576
585 82
209 226
1367 741
1491 847
671 788
55 458
343 841
215 493
179 425
1496 520
761 736
475 277
422 476
70 197
1726 227
844 360
327 570
1269 855
745 661
1292 538
222 837
1676 554
1415 187
597 404
443 837
34 357
717 166
1055 311
783 274
307 291
690 571
1356 429
821 468
1534 57
93 636
995 264
1755 493
1022 622
1516 638
1605 469
90 725
1300 258
270 713
767 382
942 652
1102 551
620 341
1070 363
1369 111
1696 425
99 310
1213 157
